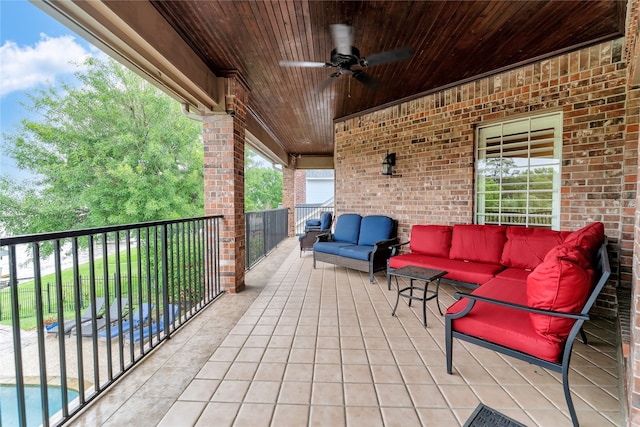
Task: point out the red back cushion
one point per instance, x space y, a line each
527 246
561 283
589 237
434 240
480 243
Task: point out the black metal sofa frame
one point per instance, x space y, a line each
603 271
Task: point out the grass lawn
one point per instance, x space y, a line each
28 319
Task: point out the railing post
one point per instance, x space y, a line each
165 280
17 344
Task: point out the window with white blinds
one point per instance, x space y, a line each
518 172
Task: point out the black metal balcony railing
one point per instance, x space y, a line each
168 270
309 211
264 230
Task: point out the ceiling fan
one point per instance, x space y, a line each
345 57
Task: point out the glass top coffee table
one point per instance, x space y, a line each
420 274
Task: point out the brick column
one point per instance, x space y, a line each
288 196
223 138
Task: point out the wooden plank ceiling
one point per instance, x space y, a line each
451 40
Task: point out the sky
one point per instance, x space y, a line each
35 51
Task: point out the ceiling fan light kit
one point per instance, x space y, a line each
345 56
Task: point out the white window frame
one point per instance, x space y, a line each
528 143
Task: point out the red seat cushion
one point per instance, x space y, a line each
487 321
561 283
432 240
479 243
527 246
514 274
471 272
589 237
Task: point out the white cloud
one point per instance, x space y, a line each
25 67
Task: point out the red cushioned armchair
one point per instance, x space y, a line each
520 322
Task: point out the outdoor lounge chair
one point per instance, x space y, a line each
87 327
154 327
312 231
138 318
68 326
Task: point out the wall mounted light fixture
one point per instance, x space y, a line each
388 163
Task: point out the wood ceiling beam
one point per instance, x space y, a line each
134 33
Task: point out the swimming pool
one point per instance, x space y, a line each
9 403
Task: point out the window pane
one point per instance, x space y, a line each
518 171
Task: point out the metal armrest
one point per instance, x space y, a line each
324 237
395 248
474 298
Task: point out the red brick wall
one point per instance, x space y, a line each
632 228
224 138
288 196
301 186
433 137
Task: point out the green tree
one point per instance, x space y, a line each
263 185
111 150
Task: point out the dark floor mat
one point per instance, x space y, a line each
483 416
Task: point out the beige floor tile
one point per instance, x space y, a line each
328 342
327 394
400 417
234 341
327 373
182 413
354 357
415 374
263 392
254 415
357 374
302 355
299 372
380 357
376 343
426 396
225 354
393 395
213 370
275 355
459 396
270 371
290 415
220 414
304 342
250 354
323 416
360 394
328 355
407 357
260 341
295 393
494 396
364 416
351 343
200 390
242 371
281 341
529 397
230 391
386 374
435 417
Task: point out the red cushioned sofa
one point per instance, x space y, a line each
534 287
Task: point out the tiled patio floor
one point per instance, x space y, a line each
319 347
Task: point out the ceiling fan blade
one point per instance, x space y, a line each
322 86
342 38
303 64
365 79
386 57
